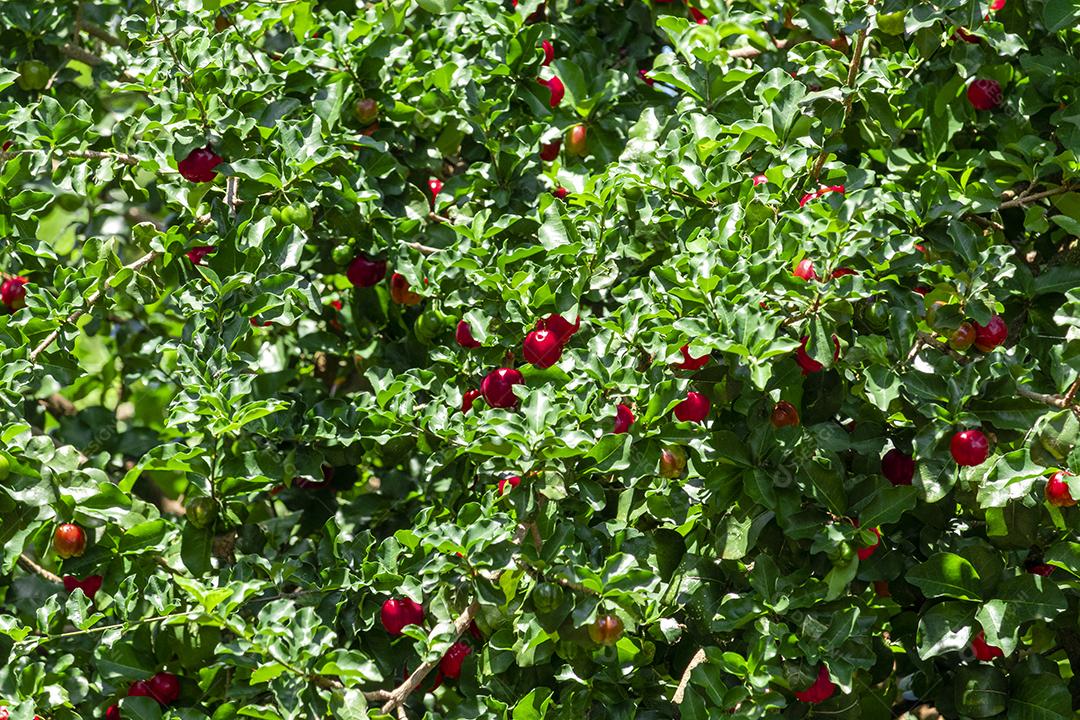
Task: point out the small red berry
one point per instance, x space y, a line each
699 17
760 180
991 335
450 665
644 75
692 363
165 688
560 192
498 387
90 585
550 151
513 481
198 253
822 689
556 88
1057 490
969 448
984 94
140 688
984 652
624 418
396 613
468 399
113 713
805 270
842 271
463 335
560 326
199 165
435 186
898 467
13 292
809 364
549 52
542 348
1040 569
695 408
69 541
366 272
866 551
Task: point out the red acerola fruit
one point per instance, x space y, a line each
435 186
464 337
450 665
644 75
866 551
560 192
809 364
140 688
577 140
841 272
606 630
542 348
989 336
396 613
559 325
818 193
695 408
556 88
550 151
198 253
497 387
624 418
13 292
1040 569
898 467
198 166
969 448
1057 490
699 17
805 270
513 481
69 541
165 688
996 5
113 713
549 52
691 363
365 271
984 94
468 399
984 652
784 414
90 585
760 180
822 689
400 292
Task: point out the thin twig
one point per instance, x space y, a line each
135 266
27 564
1058 401
680 691
100 33
853 75
944 347
1025 199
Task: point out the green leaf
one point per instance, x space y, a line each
946 575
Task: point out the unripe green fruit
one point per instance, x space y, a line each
876 315
892 23
342 254
201 511
298 214
427 326
547 597
33 75
225 711
841 554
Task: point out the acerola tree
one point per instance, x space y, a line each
561 358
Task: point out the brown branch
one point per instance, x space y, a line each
1058 401
680 691
135 266
944 347
27 564
95 30
399 694
853 75
1025 199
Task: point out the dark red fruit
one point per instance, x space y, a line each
699 17
450 665
113 713
809 364
140 688
550 151
606 630
542 348
577 141
90 585
559 325
549 52
513 481
989 336
464 337
468 399
695 408
984 652
69 541
822 689
498 387
556 88
644 75
400 292
969 448
984 94
866 551
898 467
560 192
624 418
692 363
396 613
165 688
435 186
199 165
13 292
1057 490
1041 569
784 415
198 253
366 272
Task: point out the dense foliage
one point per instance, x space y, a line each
592 358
